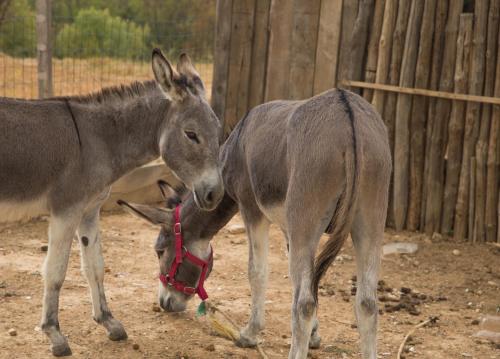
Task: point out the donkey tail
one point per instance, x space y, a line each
340 225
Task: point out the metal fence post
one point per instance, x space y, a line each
44 47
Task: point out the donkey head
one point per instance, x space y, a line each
190 134
188 274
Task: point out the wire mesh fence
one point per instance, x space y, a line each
95 50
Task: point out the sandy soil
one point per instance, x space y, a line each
463 288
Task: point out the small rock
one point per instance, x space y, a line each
475 322
456 252
135 346
236 229
210 348
437 237
492 283
12 332
156 308
467 355
44 248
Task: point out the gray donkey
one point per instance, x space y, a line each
61 155
312 166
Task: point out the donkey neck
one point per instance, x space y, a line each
127 125
205 224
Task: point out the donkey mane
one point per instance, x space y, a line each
113 93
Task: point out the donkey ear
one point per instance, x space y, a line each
153 215
185 67
172 196
166 75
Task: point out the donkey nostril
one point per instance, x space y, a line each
209 197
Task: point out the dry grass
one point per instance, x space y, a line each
18 77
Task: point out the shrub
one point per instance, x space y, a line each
96 33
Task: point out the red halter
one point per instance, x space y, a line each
180 253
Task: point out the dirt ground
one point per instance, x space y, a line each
457 287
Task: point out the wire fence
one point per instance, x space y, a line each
95 50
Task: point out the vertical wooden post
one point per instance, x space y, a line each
349 14
435 70
259 53
440 115
457 123
44 47
240 57
476 76
327 50
221 56
280 38
484 127
419 117
402 117
492 212
373 46
384 53
304 40
398 43
359 42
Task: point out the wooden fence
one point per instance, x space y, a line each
430 67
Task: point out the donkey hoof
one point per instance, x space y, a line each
115 330
314 342
246 342
61 350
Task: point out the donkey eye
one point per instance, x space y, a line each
192 136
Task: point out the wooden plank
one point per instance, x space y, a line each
484 127
304 39
259 53
393 79
471 203
373 47
476 76
456 124
402 119
239 62
435 71
425 92
349 14
221 56
327 50
439 114
358 46
44 47
492 210
419 117
278 62
384 53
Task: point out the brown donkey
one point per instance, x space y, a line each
311 166
61 156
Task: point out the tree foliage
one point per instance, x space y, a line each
97 33
173 25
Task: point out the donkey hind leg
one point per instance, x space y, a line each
315 340
61 231
93 268
258 238
367 236
307 217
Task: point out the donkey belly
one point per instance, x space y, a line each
15 210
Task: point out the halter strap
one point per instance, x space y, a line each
182 253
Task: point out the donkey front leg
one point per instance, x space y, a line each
258 237
93 269
61 231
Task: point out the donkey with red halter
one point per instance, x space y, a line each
61 156
311 166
